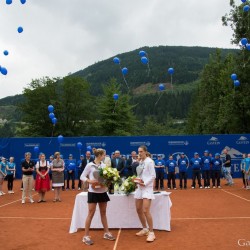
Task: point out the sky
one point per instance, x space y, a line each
64 36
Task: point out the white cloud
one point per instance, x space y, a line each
63 36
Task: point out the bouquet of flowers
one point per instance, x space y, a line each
128 186
109 175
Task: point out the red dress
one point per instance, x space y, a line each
42 185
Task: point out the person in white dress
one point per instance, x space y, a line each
144 193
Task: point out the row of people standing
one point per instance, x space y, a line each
205 166
8 171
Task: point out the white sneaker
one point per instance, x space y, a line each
206 187
219 187
3 193
151 237
143 232
23 201
201 187
12 192
79 189
31 201
214 187
9 192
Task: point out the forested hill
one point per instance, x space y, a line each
187 62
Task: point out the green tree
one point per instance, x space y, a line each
75 106
115 116
37 96
6 130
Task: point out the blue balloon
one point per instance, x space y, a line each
20 29
115 96
51 115
50 108
89 148
79 145
233 76
54 120
4 71
36 149
248 46
161 87
116 60
142 53
243 1
236 83
144 60
246 8
60 138
244 41
23 1
6 52
8 1
171 71
125 71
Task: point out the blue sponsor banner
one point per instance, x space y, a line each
165 145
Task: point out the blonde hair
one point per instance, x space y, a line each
98 151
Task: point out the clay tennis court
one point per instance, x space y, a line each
201 219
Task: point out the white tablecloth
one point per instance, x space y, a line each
121 212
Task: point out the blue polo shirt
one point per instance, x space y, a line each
206 162
160 163
196 163
11 165
247 164
216 164
3 167
171 164
183 164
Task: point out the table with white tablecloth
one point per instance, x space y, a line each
121 212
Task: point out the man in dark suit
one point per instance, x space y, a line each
118 163
88 158
132 163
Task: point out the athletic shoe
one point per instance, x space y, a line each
192 187
151 237
143 232
175 188
23 201
9 192
79 189
206 187
21 189
3 193
12 192
219 187
31 201
214 187
87 240
108 236
201 187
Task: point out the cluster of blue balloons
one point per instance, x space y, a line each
246 8
52 115
235 80
144 57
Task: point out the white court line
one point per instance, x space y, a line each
117 239
235 195
211 218
14 202
34 218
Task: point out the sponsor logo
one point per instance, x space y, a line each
31 144
96 144
213 141
242 140
68 145
243 243
178 143
139 143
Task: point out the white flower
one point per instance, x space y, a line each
105 172
126 183
115 178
